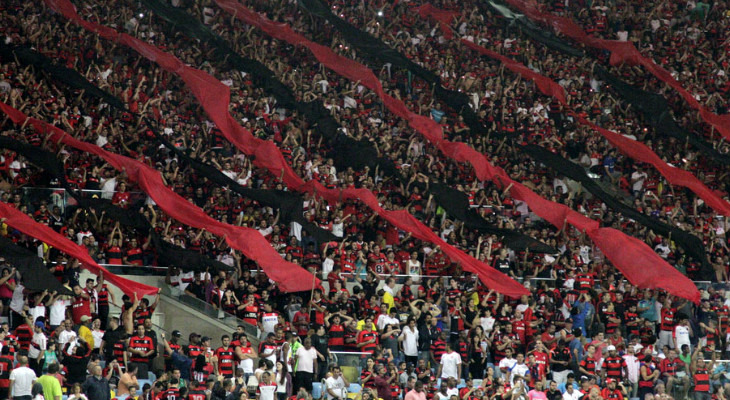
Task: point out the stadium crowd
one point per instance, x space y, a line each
424 328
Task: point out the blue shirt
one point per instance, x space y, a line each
574 345
610 163
437 114
650 314
579 320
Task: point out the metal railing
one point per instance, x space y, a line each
211 311
61 198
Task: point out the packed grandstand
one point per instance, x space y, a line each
445 200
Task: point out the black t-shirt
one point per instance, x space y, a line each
110 338
197 289
504 266
560 355
369 288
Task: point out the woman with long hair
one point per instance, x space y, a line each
477 357
367 376
283 381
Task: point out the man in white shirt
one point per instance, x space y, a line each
682 333
409 339
520 368
571 393
38 345
57 307
388 319
21 380
336 384
306 366
506 364
67 335
450 366
632 368
637 180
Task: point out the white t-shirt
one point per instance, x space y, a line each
107 188
507 363
413 267
337 386
487 323
410 341
681 333
574 396
37 311
519 369
98 335
338 229
281 388
18 300
450 365
306 359
327 266
267 391
58 311
22 378
639 177
38 344
65 337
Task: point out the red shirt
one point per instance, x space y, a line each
79 308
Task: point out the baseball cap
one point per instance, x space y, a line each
611 348
176 333
85 318
40 324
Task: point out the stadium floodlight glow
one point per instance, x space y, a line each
141 15
380 13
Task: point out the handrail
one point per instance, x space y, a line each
209 310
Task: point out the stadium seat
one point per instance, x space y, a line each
316 390
354 388
350 373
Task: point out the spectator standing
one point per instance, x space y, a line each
306 357
417 392
450 366
6 365
96 386
51 385
37 347
22 379
141 349
127 379
409 340
382 383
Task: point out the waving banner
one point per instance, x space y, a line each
25 224
557 214
215 97
289 276
622 53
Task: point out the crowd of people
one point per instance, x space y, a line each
420 326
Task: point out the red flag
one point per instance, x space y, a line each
289 276
557 214
214 98
30 227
